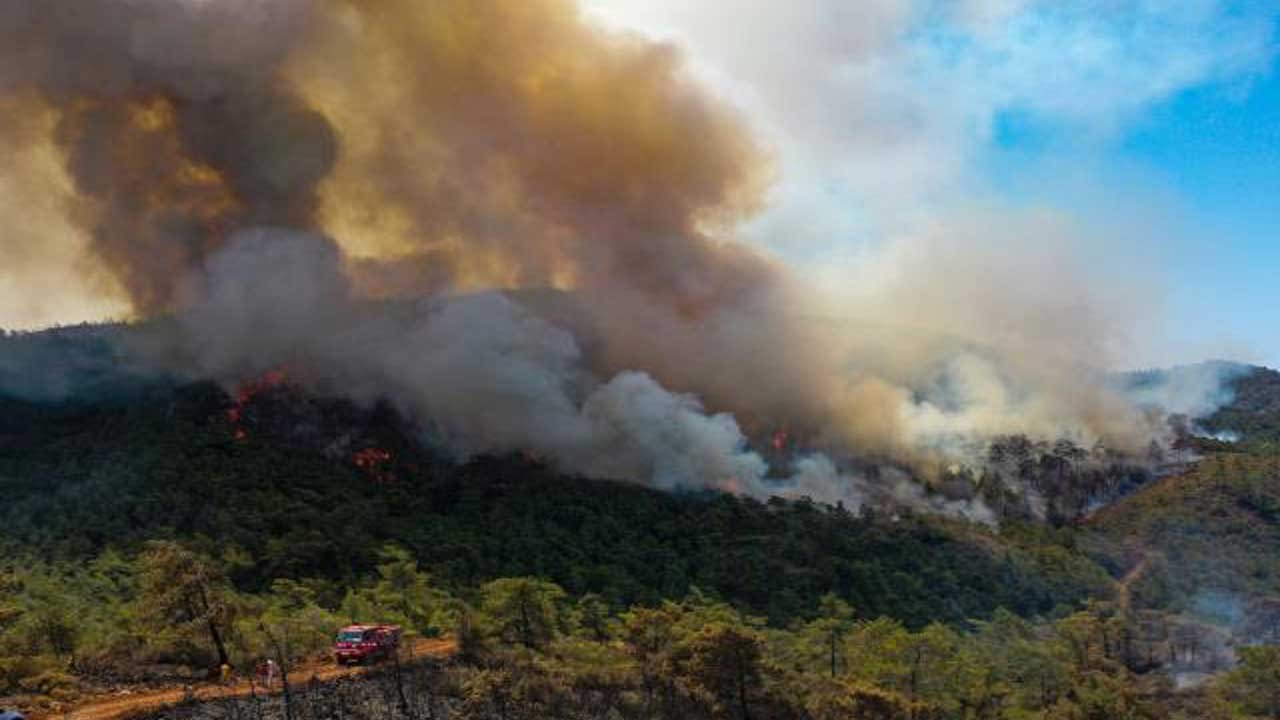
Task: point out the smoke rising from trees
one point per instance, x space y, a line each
209 149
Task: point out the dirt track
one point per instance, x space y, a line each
115 706
1124 594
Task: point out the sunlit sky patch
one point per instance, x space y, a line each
1152 124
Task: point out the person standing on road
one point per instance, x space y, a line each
224 672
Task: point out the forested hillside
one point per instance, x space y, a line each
1211 534
1254 411
308 489
291 512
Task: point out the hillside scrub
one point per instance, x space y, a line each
291 502
1211 534
701 659
529 649
145 540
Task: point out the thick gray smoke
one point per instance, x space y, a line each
1191 390
173 121
458 149
483 374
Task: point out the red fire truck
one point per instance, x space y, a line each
356 644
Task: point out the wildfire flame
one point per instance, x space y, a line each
731 485
376 463
780 439
235 414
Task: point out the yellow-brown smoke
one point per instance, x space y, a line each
474 144
450 145
498 144
458 143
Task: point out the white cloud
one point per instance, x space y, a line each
884 104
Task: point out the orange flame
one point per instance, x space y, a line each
731 485
235 413
376 463
780 439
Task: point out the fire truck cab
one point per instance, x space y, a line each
356 644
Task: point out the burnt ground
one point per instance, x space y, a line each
515 688
423 686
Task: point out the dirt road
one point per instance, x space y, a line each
120 705
1124 593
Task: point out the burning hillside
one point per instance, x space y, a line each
260 170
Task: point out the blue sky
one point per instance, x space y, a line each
1219 149
1148 127
1211 152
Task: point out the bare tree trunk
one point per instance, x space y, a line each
205 608
526 625
833 655
218 643
404 702
253 693
282 661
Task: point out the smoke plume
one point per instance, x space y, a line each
484 374
450 149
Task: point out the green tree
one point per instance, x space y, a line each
1253 687
930 663
53 619
401 593
876 653
592 616
853 701
287 623
724 663
650 635
185 591
1007 659
1100 696
523 610
824 636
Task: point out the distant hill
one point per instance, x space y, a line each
1213 531
79 363
1254 410
1212 534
